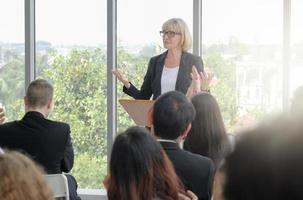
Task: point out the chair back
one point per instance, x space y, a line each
58 185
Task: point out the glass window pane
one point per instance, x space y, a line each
71 53
296 69
12 77
139 23
242 44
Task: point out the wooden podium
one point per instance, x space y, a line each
139 110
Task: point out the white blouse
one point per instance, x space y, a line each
169 79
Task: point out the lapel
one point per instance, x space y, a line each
182 72
158 73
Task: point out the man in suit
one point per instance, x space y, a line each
45 141
172 117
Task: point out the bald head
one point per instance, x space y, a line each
39 93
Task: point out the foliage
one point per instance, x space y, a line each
12 82
225 87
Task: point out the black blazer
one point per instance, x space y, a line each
47 142
152 80
196 172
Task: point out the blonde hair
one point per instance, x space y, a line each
21 179
179 26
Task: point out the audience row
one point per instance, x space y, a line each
263 164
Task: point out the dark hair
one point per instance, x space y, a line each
207 136
267 163
172 113
139 168
39 92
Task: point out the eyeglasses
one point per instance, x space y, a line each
169 34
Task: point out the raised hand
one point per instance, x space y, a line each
206 79
195 82
120 76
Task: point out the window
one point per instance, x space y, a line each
71 53
296 65
12 77
242 40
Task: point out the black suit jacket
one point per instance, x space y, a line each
47 142
195 171
152 80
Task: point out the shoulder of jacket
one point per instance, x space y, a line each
190 55
159 56
59 124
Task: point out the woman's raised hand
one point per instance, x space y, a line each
195 83
120 76
200 81
206 79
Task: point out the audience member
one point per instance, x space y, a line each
172 117
267 163
47 142
21 179
207 135
139 169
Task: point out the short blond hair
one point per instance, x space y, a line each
21 178
179 26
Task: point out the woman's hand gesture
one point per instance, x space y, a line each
120 76
206 79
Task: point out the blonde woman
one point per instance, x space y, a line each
170 70
21 179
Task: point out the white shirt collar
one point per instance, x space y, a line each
164 140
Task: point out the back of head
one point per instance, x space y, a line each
21 179
207 136
267 163
139 169
39 93
172 113
179 26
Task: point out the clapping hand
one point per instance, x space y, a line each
200 81
206 79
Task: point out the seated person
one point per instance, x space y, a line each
267 163
172 117
47 142
21 179
207 136
139 169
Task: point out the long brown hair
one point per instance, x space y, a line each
20 178
140 169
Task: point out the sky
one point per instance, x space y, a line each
83 22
